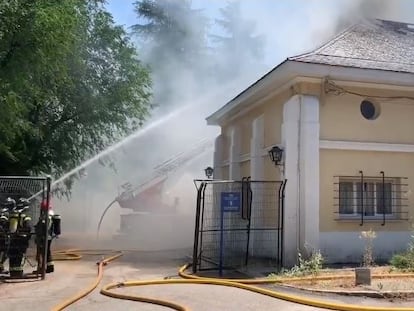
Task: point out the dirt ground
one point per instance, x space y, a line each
382 284
396 285
72 277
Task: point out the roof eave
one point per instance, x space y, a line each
291 68
266 80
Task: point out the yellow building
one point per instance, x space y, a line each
344 116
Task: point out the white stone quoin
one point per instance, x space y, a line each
300 138
290 135
309 172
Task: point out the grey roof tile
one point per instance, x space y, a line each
371 44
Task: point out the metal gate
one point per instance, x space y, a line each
238 223
35 190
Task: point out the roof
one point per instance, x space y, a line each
371 44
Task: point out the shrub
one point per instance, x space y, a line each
309 266
405 260
402 261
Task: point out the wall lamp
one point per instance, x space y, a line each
276 155
209 172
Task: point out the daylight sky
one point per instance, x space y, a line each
272 18
290 26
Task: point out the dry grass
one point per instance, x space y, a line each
390 284
382 284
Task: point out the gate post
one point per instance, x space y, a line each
45 213
221 240
197 228
281 223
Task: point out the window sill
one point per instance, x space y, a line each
368 219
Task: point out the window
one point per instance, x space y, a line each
369 110
372 198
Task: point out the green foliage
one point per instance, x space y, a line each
186 59
305 267
175 30
71 84
405 260
173 36
240 49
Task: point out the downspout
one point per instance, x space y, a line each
299 174
299 210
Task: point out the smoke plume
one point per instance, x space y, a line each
285 28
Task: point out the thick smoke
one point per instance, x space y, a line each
356 10
195 91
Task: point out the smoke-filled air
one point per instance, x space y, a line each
200 54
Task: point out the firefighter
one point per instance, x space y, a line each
4 221
53 231
20 233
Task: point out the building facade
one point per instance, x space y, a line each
343 115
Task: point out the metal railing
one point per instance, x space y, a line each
238 223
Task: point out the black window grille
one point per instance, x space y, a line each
373 198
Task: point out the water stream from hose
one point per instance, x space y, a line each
154 124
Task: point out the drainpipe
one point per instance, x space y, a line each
299 231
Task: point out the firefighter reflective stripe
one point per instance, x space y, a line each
24 220
50 263
13 224
49 229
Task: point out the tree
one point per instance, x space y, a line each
240 50
175 37
71 84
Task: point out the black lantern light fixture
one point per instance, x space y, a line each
276 155
209 172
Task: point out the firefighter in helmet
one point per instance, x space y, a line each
51 227
20 233
4 228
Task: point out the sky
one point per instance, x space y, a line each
272 18
290 27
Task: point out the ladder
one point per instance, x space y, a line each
164 169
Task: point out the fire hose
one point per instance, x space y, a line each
245 284
76 255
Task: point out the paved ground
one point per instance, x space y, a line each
71 277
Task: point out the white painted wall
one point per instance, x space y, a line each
235 145
256 149
257 173
218 161
347 247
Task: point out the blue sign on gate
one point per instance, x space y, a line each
230 201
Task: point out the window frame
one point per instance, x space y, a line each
376 216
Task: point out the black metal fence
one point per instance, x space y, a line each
238 223
20 206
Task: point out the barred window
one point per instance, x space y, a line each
373 198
